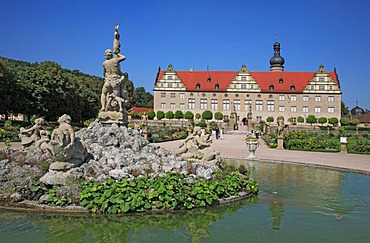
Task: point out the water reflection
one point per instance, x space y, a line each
297 203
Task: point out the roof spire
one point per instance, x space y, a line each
277 61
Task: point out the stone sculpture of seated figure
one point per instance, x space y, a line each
34 137
197 148
64 146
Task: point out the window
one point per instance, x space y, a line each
226 118
163 95
163 105
244 78
321 79
293 98
281 108
259 105
317 98
237 105
173 95
330 109
259 118
293 109
331 98
271 87
173 106
217 86
270 105
305 98
312 87
305 109
226 105
191 104
292 87
169 77
234 85
330 87
197 86
247 104
321 87
203 104
243 86
169 85
182 106
317 109
182 95
281 97
214 104
252 86
281 80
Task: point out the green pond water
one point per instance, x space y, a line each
295 204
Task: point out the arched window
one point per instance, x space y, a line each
217 86
197 86
271 87
292 87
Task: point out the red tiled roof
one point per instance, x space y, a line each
364 118
139 109
298 79
263 79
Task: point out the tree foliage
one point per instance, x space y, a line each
207 115
311 119
142 98
333 121
270 119
151 114
189 115
300 119
179 114
322 120
344 121
170 115
219 116
160 115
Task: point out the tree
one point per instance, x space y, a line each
344 109
133 114
197 116
129 87
142 98
170 115
344 121
270 119
151 114
207 115
160 115
322 120
7 81
179 114
189 115
311 119
333 121
219 116
300 119
355 122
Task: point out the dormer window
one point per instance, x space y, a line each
197 86
217 86
271 87
281 80
292 87
209 79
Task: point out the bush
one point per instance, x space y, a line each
170 115
189 115
160 115
179 114
133 114
344 121
207 115
151 114
219 116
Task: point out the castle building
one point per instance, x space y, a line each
267 94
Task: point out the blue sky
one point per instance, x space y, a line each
195 33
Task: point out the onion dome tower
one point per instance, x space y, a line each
277 61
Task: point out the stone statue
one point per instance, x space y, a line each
113 96
64 146
34 137
196 148
144 121
280 122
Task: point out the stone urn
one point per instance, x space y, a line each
252 145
